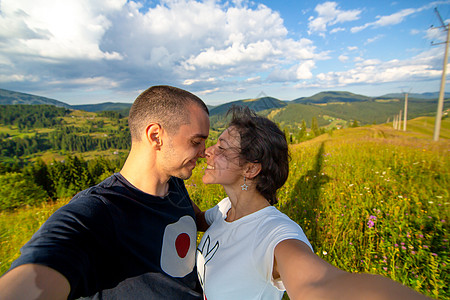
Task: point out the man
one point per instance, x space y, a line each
133 236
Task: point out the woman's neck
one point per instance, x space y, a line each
244 203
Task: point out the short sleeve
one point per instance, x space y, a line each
272 231
218 212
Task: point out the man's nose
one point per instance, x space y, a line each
202 152
207 152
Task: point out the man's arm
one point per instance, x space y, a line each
200 218
307 276
31 281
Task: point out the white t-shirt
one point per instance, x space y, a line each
235 259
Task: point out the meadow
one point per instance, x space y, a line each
370 199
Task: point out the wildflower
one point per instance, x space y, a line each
370 223
324 252
434 254
385 268
403 247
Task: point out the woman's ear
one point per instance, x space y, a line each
251 170
153 134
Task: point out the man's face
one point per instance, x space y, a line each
181 151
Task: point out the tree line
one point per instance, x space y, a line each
40 182
29 118
32 116
62 141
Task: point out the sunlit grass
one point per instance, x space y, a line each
16 228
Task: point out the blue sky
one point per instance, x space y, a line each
92 51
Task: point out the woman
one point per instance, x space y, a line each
253 251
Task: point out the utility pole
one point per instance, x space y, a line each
437 124
406 111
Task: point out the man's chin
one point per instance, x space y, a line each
184 175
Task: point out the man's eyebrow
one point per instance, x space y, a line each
198 135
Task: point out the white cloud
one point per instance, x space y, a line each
57 29
393 19
343 58
253 79
335 30
329 14
294 73
375 38
206 45
175 41
374 71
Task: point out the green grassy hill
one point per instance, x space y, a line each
370 199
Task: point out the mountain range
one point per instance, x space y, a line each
326 106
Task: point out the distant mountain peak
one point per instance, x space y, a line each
8 97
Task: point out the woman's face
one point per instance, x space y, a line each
223 164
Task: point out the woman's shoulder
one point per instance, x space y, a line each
277 226
219 211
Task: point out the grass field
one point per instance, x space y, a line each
370 199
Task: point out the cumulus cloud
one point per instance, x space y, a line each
56 29
374 71
134 46
343 58
208 46
329 14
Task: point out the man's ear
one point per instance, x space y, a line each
251 170
153 133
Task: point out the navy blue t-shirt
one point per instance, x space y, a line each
113 241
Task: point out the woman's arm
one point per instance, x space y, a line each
307 276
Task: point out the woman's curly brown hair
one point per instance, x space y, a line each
262 142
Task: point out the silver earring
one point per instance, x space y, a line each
244 186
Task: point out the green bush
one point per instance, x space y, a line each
18 190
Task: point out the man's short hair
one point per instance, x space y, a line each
165 105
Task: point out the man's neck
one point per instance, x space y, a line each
144 175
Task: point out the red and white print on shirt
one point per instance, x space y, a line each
178 247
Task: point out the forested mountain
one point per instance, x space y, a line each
124 108
434 95
9 97
332 97
330 108
257 105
